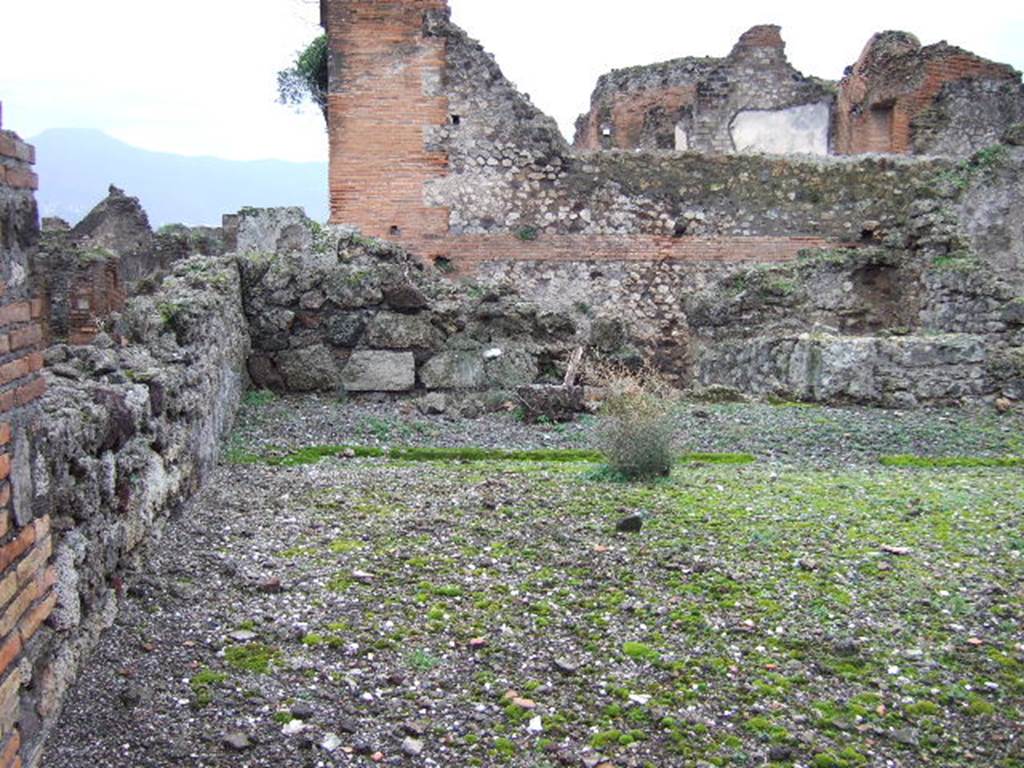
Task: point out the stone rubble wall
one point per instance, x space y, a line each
128 428
330 310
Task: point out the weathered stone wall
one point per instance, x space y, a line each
129 426
938 319
434 149
967 116
26 580
332 311
938 99
753 100
85 273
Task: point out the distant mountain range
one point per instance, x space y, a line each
77 166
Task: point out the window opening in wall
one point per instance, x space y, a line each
682 138
880 128
456 119
395 230
444 264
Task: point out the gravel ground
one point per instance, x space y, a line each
812 609
792 433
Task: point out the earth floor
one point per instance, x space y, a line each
813 607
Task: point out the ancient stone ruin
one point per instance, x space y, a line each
898 98
752 100
472 250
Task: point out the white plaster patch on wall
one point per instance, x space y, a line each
797 130
682 139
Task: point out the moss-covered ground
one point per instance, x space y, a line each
768 613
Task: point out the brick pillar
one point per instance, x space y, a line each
26 575
385 95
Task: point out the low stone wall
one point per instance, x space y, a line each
922 323
826 368
331 311
128 428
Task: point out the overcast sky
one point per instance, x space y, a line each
198 76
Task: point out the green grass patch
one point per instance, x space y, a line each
345 546
948 462
422 660
254 657
255 398
202 684
641 652
492 454
717 458
317 640
315 453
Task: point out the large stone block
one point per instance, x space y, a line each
454 370
273 231
376 371
506 368
389 330
309 369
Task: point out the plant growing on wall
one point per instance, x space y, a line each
307 77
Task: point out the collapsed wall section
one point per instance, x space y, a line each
490 179
901 97
753 100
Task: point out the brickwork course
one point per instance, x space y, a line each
27 575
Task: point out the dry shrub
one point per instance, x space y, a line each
636 421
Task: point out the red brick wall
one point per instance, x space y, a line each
96 292
866 94
629 111
26 575
380 104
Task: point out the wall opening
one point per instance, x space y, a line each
682 139
879 128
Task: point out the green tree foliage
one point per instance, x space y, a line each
307 77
